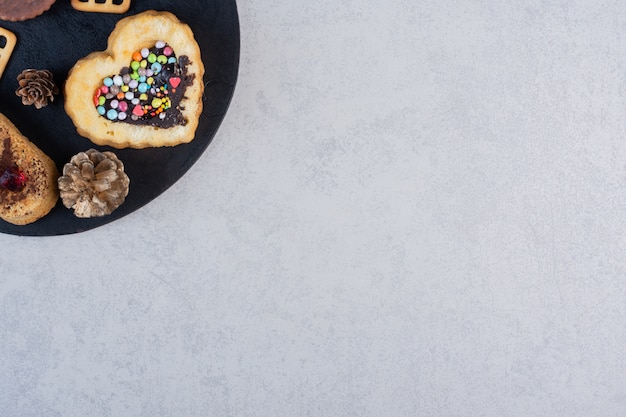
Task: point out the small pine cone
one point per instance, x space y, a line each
36 87
93 183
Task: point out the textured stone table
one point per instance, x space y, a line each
413 208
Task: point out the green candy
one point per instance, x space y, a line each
135 65
162 59
152 58
101 100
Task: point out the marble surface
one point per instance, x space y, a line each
412 208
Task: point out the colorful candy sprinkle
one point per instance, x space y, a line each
142 89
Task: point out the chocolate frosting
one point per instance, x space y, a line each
169 117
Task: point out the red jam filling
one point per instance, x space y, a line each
12 179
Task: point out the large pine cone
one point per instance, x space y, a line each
93 183
36 87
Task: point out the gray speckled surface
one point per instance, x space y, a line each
413 208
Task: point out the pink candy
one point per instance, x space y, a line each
167 51
138 111
174 82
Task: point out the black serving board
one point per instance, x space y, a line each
56 39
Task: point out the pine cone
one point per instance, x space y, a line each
93 183
36 87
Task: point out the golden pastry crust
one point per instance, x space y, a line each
132 34
40 192
103 7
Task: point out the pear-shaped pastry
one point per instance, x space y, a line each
145 90
28 177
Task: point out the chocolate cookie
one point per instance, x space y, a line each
18 10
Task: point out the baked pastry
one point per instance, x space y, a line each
144 90
28 177
18 10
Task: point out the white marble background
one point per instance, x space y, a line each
413 208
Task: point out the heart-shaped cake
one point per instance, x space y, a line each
17 11
145 90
